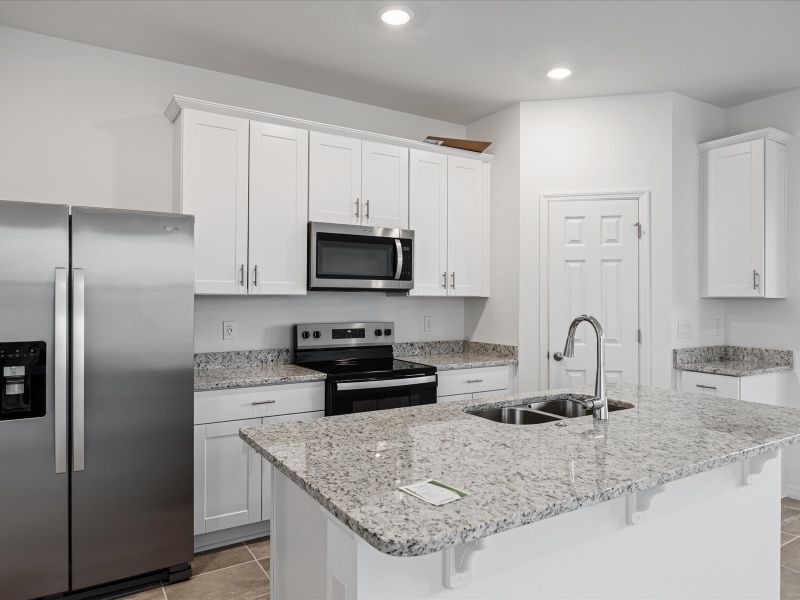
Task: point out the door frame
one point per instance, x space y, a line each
645 324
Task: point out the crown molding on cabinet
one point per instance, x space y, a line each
178 103
769 133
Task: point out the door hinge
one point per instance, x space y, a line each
639 335
638 230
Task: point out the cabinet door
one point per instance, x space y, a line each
266 469
212 182
468 226
227 477
428 219
384 185
334 179
278 209
734 215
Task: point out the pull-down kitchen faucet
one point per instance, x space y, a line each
598 404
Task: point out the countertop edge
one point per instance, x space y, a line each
430 546
267 382
732 372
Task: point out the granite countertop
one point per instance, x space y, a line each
239 377
461 360
353 464
733 361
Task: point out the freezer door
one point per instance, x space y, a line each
34 528
132 393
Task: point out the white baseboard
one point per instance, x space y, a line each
226 537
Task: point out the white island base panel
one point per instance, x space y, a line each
711 535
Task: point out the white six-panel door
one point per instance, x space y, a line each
428 219
593 269
278 209
468 226
334 186
213 186
384 185
734 215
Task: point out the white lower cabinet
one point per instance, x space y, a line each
232 485
464 384
767 388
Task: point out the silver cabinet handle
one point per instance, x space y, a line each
367 215
241 275
259 402
255 275
358 208
78 368
399 269
444 280
558 356
453 280
60 368
705 387
474 380
755 279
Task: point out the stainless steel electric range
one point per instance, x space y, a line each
363 374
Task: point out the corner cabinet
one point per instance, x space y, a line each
449 213
744 209
246 183
357 182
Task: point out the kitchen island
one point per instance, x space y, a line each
676 496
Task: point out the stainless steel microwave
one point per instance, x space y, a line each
353 257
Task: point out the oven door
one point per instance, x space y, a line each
346 397
361 258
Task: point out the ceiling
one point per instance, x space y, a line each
456 61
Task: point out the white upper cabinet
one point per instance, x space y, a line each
384 185
745 216
468 226
428 219
278 209
334 179
211 182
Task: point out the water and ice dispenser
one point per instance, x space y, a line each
23 373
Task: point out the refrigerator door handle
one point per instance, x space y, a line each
60 338
78 336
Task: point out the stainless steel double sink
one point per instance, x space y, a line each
544 410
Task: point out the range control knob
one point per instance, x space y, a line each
305 335
317 335
378 332
387 332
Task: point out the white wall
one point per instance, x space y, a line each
85 125
608 144
693 122
496 319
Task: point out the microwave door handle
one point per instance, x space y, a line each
399 268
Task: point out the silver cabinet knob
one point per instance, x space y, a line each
558 356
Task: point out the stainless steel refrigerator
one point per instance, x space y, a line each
96 346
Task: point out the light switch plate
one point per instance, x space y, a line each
229 330
717 327
684 330
427 324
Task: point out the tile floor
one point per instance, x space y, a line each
239 572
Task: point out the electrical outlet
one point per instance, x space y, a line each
427 324
684 330
229 330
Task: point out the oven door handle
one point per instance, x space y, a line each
384 383
399 268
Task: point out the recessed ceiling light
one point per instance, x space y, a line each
395 16
559 73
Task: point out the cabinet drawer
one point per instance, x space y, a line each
250 403
706 383
469 381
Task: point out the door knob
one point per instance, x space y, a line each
558 356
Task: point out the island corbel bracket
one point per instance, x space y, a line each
457 563
638 503
753 465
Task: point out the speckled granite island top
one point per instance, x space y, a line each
227 378
516 474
